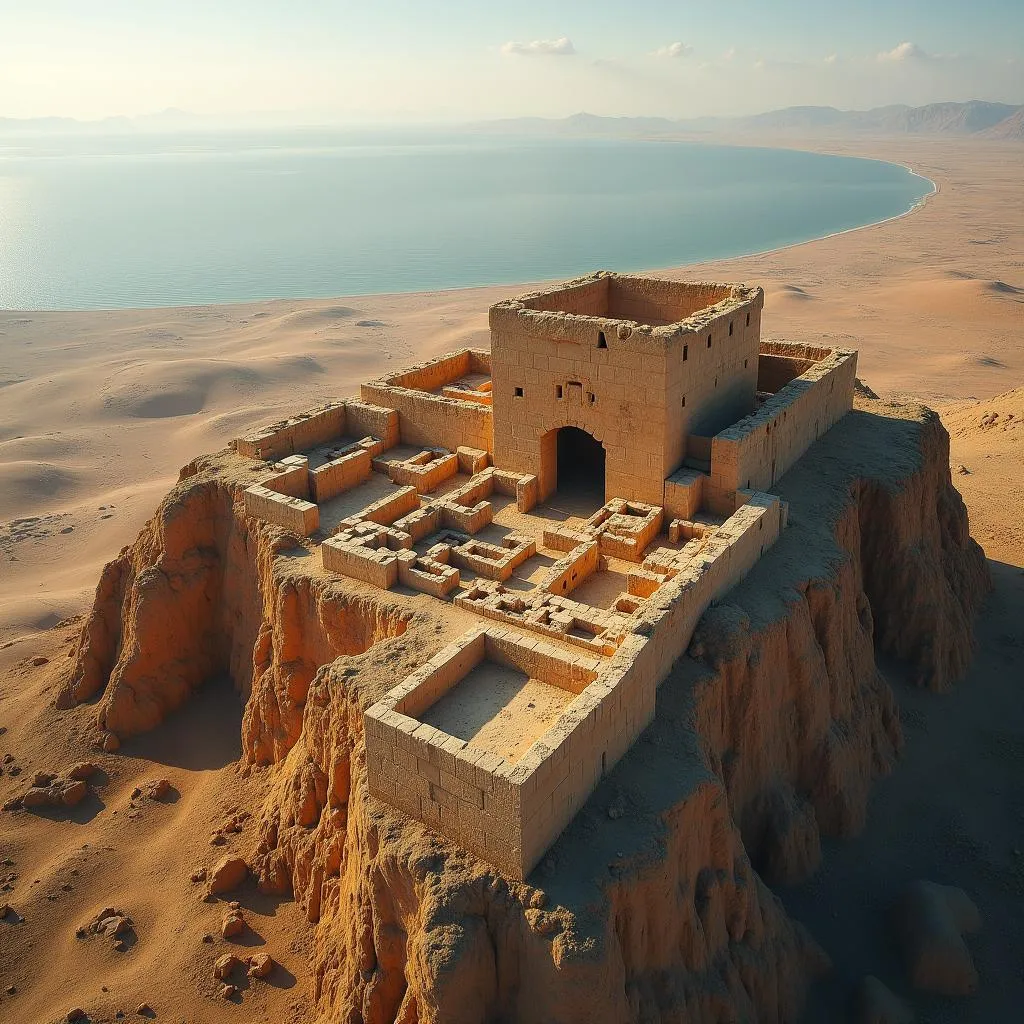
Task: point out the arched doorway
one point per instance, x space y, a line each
580 461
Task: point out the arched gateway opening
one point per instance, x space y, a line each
580 468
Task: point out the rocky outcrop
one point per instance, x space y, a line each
651 905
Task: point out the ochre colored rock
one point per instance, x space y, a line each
260 965
227 874
769 733
225 965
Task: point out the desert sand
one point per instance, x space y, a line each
98 411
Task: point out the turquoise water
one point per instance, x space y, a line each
158 221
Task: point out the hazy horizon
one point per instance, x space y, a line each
397 62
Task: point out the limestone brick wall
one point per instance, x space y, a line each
362 418
341 474
309 430
673 610
429 419
757 450
290 477
295 514
711 386
295 435
563 768
565 575
510 814
425 471
637 389
472 796
684 494
436 373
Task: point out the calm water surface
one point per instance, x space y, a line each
152 221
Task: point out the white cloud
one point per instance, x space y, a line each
673 50
904 51
832 58
541 48
730 53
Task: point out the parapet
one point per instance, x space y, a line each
445 402
652 309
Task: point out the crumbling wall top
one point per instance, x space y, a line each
630 306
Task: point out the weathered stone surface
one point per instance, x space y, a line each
930 922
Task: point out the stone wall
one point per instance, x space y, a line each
558 360
429 419
510 814
302 433
294 514
757 450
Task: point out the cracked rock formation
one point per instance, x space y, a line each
768 735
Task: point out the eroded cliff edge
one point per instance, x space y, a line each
651 905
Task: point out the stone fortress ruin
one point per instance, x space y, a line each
572 501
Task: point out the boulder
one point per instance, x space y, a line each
930 921
228 874
232 925
225 965
260 965
878 1004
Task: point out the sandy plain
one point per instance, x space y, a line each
98 411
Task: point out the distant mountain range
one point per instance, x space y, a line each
976 117
973 118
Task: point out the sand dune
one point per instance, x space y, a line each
104 403
99 410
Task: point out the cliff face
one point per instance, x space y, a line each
649 906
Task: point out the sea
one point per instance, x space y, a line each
123 221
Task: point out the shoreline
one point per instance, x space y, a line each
100 409
519 283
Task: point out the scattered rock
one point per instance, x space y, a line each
83 770
199 875
40 660
73 792
878 1004
159 790
962 470
76 1014
225 965
260 965
232 925
930 921
110 743
145 1010
228 874
207 937
228 991
48 791
10 990
112 924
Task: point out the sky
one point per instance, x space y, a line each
453 60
